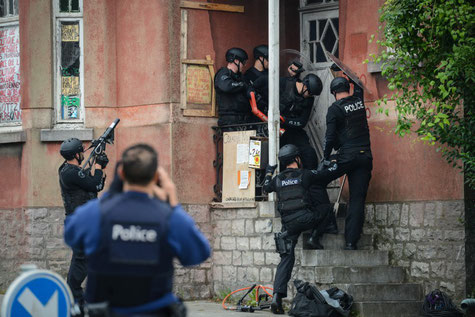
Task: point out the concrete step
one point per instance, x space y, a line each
344 258
337 241
387 309
383 292
349 275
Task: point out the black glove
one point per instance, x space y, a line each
250 89
270 169
324 164
102 160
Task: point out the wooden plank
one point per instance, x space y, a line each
183 55
213 92
197 61
211 6
232 168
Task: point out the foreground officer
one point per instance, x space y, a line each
296 103
298 213
131 238
77 187
348 132
231 90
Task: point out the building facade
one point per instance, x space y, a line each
70 67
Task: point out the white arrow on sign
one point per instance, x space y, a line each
36 309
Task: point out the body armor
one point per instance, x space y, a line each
291 193
355 124
133 264
73 196
232 104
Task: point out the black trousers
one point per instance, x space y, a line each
315 220
358 169
77 274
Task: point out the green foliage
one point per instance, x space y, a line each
428 58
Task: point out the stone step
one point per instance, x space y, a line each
344 258
383 292
348 275
387 309
337 241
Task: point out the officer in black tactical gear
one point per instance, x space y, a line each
77 187
261 64
231 90
298 213
296 103
348 132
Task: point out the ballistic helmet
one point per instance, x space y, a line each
261 50
287 154
70 148
236 53
339 84
313 84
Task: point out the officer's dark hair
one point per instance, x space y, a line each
339 84
139 164
71 147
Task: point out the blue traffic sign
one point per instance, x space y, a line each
37 293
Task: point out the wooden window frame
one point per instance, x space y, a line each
58 18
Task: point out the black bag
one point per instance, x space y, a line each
309 302
439 304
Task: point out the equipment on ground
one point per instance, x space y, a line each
468 306
439 304
262 300
99 146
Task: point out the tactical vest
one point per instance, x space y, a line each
356 123
133 264
73 197
291 193
231 103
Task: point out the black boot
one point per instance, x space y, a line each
276 305
314 241
350 246
332 227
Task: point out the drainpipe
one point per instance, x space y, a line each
273 115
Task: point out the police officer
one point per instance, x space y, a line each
348 132
296 103
77 187
231 90
298 213
261 64
257 77
132 237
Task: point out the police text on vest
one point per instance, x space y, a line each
133 233
353 107
290 182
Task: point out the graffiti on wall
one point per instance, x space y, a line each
10 111
70 63
198 85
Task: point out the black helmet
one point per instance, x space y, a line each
70 148
287 154
261 50
236 53
313 84
339 84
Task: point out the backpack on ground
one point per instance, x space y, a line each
439 304
310 302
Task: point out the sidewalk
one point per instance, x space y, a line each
213 309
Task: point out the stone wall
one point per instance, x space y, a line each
427 238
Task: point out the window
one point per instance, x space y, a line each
69 62
10 112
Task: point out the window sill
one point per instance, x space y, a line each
59 135
374 68
18 136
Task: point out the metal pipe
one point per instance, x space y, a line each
274 113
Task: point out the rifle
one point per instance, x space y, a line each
99 146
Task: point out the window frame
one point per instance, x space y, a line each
58 18
6 22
